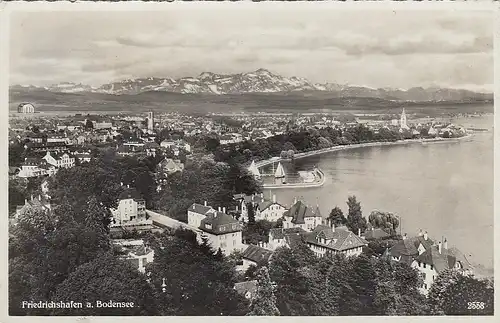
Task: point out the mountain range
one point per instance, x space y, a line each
259 81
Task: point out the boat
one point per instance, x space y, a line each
254 170
280 171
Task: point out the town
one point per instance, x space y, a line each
180 199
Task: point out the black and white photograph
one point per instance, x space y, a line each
250 159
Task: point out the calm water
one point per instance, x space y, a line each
444 188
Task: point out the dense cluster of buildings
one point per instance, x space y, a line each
64 146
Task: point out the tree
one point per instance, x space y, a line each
197 281
438 290
89 125
456 294
355 219
47 248
107 279
251 213
469 296
264 303
385 221
293 294
337 217
212 144
363 284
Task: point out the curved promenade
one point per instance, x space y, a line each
266 162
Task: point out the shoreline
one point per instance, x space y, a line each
362 145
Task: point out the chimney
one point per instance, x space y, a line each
219 209
445 244
420 233
205 203
440 247
194 207
39 197
25 201
404 236
274 198
359 232
425 236
32 197
128 186
224 209
294 200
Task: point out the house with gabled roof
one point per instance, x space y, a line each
302 216
328 240
429 257
60 160
37 204
281 237
220 229
264 209
407 249
254 256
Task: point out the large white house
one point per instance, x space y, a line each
220 229
302 216
264 209
328 240
34 167
60 160
131 209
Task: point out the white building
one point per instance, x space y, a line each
60 160
26 108
302 216
437 259
221 230
151 121
34 167
429 258
403 124
131 209
264 209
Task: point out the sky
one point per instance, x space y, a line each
397 49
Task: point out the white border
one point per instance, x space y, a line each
7 8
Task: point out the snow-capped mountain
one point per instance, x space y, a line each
260 81
69 87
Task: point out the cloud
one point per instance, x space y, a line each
396 49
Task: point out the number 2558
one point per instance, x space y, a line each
475 305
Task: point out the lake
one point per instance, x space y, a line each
443 188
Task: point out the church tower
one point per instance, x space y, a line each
403 120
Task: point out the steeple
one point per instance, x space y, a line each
403 120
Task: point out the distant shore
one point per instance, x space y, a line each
361 145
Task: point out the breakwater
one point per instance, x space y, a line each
319 181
